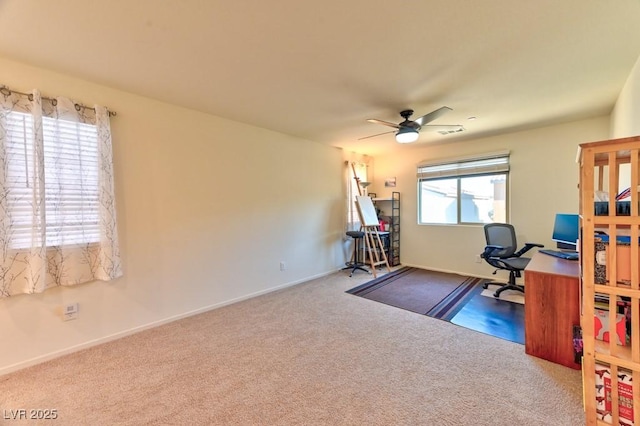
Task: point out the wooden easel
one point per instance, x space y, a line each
369 225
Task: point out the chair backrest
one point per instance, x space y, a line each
501 234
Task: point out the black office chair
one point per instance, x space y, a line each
500 252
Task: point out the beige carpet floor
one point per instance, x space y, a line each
307 355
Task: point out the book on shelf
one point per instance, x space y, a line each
603 395
601 301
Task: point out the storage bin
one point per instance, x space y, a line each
623 208
623 259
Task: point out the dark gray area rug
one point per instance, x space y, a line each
449 297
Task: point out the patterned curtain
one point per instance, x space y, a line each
57 206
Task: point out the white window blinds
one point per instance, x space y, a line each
465 166
71 181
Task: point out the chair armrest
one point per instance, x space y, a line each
526 248
489 250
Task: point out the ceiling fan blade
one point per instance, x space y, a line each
427 118
438 127
379 134
386 123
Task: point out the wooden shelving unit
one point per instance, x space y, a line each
610 270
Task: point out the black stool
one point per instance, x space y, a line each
355 262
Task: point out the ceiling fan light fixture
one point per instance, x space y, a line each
406 135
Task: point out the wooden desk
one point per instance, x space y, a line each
551 308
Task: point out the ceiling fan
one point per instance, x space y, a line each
408 130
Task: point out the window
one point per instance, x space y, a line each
360 170
57 202
471 190
71 209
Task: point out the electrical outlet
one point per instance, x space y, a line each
283 266
70 311
478 258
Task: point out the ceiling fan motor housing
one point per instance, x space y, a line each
408 123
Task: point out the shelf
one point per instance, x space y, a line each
620 353
619 290
608 271
392 239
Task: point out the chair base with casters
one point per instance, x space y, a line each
500 252
511 285
355 262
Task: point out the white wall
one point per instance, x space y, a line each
625 118
543 181
207 209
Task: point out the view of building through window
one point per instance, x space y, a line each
469 199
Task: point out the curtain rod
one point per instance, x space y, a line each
6 91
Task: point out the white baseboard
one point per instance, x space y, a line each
57 354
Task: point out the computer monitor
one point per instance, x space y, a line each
566 231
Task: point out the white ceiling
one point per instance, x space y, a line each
318 70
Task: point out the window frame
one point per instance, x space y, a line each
361 170
85 232
491 164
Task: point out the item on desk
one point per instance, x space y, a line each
568 255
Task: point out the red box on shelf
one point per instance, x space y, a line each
601 327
